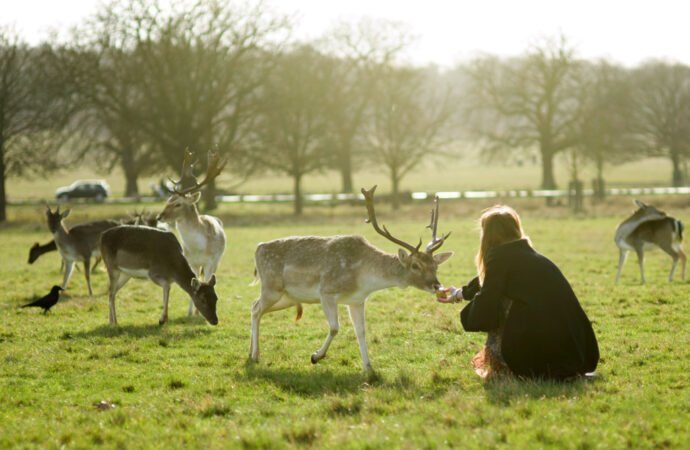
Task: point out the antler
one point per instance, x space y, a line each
435 243
214 167
187 177
369 200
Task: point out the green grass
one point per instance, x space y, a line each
188 384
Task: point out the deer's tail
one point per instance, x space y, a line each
678 228
256 279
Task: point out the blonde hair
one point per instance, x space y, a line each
500 224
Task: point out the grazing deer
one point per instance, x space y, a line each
340 270
37 250
79 243
645 227
143 252
136 218
202 235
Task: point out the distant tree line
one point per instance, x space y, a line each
136 85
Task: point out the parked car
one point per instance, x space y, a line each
88 189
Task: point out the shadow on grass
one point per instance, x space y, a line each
502 391
305 383
196 328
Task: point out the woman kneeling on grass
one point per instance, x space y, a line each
536 326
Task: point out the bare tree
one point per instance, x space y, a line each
34 111
360 50
604 127
293 130
527 102
201 64
662 113
407 122
107 79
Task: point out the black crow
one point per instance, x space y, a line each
48 301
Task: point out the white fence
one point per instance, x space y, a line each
471 194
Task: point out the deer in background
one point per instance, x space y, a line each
78 243
202 235
649 226
144 252
37 250
340 270
135 218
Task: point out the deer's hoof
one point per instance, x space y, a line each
162 322
314 359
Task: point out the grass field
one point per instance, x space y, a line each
187 384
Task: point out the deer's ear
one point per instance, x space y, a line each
65 213
212 281
639 204
403 257
195 284
442 257
195 197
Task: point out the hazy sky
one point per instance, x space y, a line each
449 31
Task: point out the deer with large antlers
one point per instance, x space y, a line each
649 226
203 238
340 270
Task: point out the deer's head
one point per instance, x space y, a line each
34 252
420 266
645 210
205 298
55 218
184 198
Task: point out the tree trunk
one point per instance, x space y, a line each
131 173
677 177
598 183
3 195
345 167
395 183
548 181
297 192
547 177
210 196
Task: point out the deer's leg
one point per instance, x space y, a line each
261 306
683 260
199 275
357 317
69 266
117 280
87 274
621 260
166 296
676 252
640 261
330 308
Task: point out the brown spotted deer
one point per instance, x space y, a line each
646 227
340 270
136 218
78 243
202 235
131 251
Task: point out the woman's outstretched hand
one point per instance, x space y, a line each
448 295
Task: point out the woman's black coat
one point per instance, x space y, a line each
546 333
